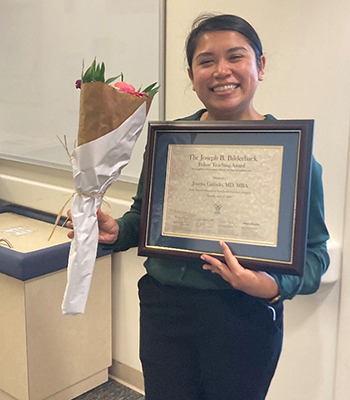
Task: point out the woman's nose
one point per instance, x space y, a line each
222 70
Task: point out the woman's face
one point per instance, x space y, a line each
225 75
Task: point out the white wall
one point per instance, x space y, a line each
307 76
342 381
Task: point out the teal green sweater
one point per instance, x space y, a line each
190 273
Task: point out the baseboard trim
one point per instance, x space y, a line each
70 392
126 375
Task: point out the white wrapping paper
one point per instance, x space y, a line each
96 165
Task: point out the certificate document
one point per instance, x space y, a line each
223 192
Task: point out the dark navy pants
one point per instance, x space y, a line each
207 344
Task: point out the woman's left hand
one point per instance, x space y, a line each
254 283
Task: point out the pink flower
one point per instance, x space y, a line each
125 87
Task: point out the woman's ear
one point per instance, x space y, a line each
262 65
189 72
190 75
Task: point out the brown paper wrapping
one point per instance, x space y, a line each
104 108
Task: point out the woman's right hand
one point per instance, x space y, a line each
108 227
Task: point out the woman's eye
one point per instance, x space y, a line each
205 62
235 57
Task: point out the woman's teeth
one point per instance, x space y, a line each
225 88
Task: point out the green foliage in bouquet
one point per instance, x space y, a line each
151 90
96 73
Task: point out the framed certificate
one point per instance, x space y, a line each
244 182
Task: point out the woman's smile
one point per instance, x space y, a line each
225 88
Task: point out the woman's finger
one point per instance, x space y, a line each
69 224
213 264
231 260
209 259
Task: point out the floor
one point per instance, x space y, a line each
111 390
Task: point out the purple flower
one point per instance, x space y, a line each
78 84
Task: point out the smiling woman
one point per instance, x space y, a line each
211 329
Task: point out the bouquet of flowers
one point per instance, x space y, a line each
110 121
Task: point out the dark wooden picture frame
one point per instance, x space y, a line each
292 139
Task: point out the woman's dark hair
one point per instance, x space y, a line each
225 22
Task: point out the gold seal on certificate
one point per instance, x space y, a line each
246 183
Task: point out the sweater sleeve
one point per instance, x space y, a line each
129 223
317 258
